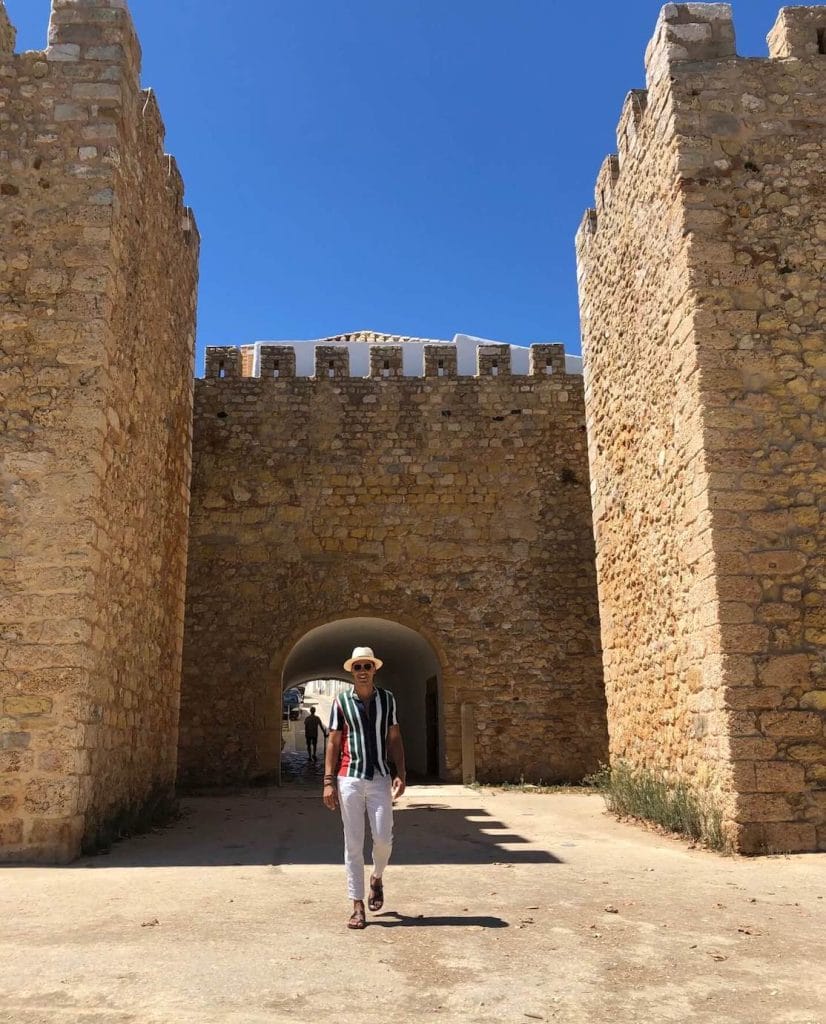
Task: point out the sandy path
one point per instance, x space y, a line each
496 911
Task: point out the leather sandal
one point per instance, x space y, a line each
376 899
357 921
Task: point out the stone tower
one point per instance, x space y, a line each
97 311
703 302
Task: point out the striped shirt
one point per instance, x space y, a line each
364 727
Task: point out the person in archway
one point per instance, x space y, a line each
312 723
363 741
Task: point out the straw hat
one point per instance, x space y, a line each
362 654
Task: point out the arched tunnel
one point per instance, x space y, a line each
411 671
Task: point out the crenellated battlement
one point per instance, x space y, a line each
688 33
628 125
8 33
94 31
606 180
385 362
93 62
700 270
689 39
799 33
102 279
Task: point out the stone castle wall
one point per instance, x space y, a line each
99 272
457 506
702 296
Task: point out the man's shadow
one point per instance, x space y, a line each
397 920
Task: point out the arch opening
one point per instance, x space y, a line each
411 671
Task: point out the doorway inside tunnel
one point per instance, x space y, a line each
304 741
314 670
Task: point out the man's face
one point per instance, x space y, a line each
363 671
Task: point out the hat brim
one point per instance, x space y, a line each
348 665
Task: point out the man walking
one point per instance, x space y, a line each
363 740
312 723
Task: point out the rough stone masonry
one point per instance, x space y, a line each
455 505
703 298
97 311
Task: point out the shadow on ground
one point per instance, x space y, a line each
391 919
291 826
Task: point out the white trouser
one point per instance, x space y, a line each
355 796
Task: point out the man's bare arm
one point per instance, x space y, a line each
331 756
395 748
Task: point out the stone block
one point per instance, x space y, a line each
14 740
808 753
11 834
762 807
778 563
792 724
814 700
15 761
64 52
799 32
62 836
817 809
746 839
25 706
757 698
779 777
789 837
786 671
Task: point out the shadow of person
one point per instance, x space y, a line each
426 921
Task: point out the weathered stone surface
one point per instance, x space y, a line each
97 319
458 507
702 296
8 33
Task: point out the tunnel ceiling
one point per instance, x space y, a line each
321 653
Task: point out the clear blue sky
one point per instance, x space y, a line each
412 166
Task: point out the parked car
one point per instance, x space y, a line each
291 703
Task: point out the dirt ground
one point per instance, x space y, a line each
501 907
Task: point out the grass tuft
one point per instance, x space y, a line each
523 786
677 807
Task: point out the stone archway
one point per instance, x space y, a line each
411 670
